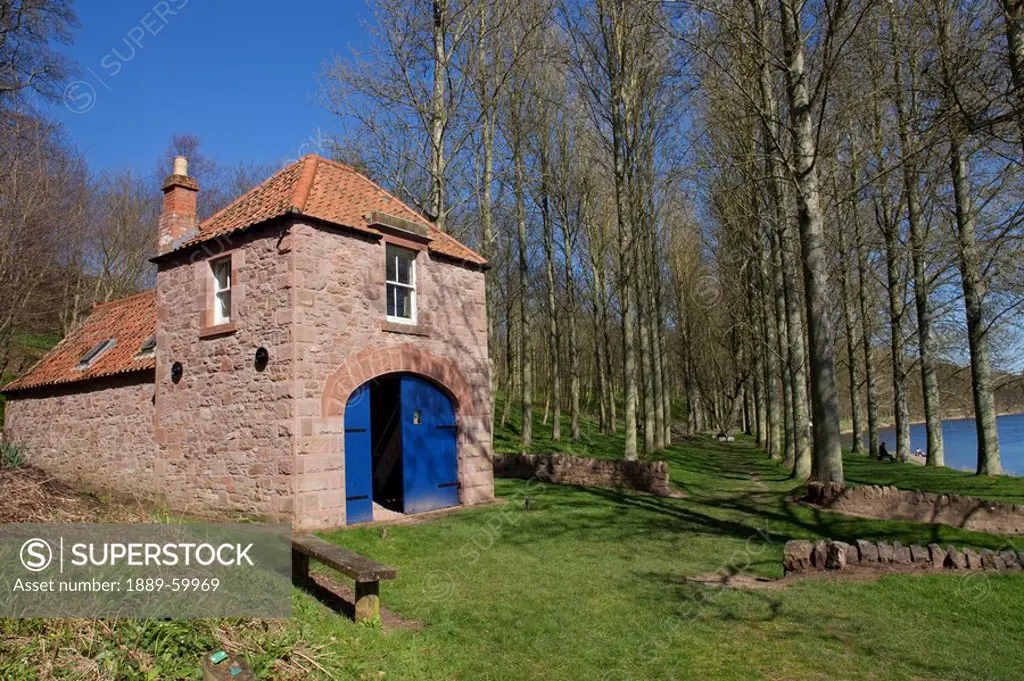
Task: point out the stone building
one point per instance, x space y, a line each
315 352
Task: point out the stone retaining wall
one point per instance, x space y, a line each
892 503
802 555
644 476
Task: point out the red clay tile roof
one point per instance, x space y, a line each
325 190
130 320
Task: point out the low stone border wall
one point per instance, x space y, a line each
643 476
801 555
892 503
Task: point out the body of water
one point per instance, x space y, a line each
961 442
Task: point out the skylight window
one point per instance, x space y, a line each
148 348
89 358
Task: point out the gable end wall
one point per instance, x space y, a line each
224 432
341 341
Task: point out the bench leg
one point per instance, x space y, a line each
367 600
300 569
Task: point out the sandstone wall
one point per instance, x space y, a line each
891 503
645 476
97 435
342 340
224 432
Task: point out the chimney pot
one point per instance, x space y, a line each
180 166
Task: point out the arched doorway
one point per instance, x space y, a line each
400 447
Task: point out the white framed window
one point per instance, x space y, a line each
221 269
400 273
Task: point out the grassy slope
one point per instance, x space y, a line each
591 585
591 442
861 470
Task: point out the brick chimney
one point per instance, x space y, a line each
178 221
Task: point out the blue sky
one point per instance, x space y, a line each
243 75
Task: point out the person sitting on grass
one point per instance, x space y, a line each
883 452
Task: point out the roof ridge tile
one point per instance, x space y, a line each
305 183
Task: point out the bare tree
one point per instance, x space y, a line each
827 460
406 95
954 65
43 189
30 60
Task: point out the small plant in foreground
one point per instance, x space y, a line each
374 622
11 456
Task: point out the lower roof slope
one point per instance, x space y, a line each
130 321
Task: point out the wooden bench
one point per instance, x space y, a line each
366 573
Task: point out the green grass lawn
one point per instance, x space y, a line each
862 470
592 584
591 442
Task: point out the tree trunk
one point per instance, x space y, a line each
656 413
969 262
918 239
622 100
772 366
797 362
438 114
901 413
511 367
666 379
574 351
827 455
487 244
526 432
549 273
867 334
787 354
1013 16
608 371
974 293
657 392
599 375
646 366
851 348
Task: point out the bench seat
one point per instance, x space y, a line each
367 573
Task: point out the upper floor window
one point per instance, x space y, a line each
89 358
221 269
401 284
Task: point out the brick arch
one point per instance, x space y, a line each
407 358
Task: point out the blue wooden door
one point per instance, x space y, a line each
430 466
358 458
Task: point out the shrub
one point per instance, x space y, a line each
10 455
